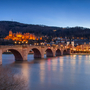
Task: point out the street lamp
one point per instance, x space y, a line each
22 41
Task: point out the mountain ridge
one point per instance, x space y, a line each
40 30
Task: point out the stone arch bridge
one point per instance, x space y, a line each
21 51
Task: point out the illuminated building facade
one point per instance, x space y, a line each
21 37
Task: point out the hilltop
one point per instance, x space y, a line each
6 26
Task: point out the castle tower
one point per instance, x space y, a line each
10 33
31 36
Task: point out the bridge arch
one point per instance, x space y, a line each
16 53
65 52
49 52
37 52
58 52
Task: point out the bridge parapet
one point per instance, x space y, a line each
10 46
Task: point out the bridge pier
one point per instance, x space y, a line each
24 54
54 53
0 56
42 56
61 52
42 53
68 51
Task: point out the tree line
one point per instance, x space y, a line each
42 30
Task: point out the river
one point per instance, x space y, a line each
70 72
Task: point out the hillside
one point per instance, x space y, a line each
5 26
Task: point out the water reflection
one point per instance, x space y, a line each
25 72
79 59
89 56
8 58
86 59
49 64
54 64
73 62
70 72
61 61
42 71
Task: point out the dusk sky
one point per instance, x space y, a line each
60 13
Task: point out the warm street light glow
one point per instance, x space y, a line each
74 49
19 42
34 43
61 45
26 42
22 41
15 42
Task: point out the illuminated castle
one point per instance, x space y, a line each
21 37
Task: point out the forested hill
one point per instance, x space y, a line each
5 26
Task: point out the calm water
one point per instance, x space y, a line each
58 73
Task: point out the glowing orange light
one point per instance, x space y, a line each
26 42
20 37
15 42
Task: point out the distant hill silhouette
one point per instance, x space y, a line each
5 26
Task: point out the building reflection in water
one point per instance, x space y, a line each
86 59
73 60
73 69
42 71
25 73
49 69
74 56
67 57
49 64
71 56
61 62
79 59
89 59
89 56
54 64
